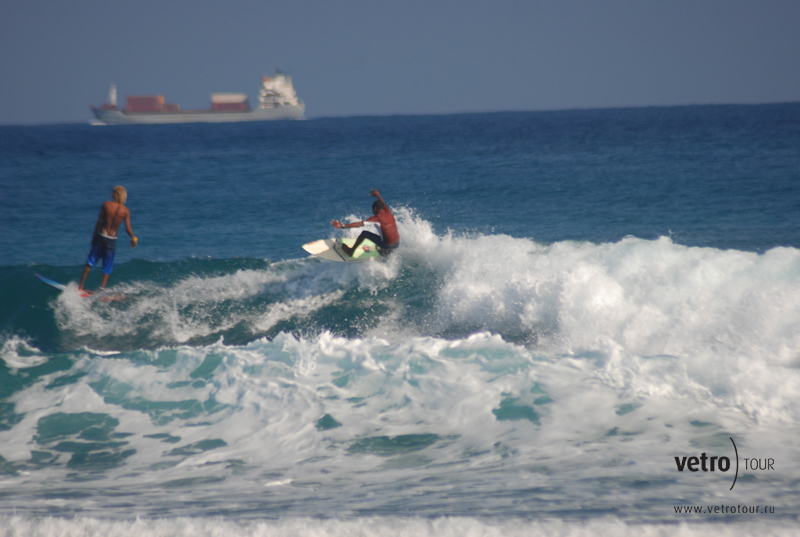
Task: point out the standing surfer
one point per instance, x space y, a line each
390 238
104 239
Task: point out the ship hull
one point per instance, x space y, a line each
115 116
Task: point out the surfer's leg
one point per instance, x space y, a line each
94 254
108 261
361 238
109 250
86 270
349 251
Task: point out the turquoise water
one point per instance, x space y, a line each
579 298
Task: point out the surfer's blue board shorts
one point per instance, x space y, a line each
103 249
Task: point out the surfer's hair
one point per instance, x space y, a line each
119 194
378 206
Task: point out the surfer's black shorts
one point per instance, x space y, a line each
102 248
383 248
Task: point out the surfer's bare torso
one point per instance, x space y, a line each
112 215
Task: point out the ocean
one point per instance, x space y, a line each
591 327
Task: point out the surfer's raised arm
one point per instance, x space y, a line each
374 192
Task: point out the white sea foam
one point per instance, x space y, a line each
195 307
368 526
728 318
295 308
491 421
18 353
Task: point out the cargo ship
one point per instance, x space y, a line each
277 99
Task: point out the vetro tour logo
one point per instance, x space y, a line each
715 463
692 462
723 464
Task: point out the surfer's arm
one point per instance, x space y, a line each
339 225
374 192
129 229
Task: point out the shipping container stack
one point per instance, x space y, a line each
149 103
229 102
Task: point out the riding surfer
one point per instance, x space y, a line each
104 238
389 239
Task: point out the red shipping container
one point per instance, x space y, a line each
145 99
144 108
171 108
141 100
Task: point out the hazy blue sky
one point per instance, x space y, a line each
354 57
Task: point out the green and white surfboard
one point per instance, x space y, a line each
331 249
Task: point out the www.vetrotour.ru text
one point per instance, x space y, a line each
725 509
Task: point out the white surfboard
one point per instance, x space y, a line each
331 249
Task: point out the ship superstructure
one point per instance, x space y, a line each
277 91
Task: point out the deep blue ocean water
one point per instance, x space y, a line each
579 297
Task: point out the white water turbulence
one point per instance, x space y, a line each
367 527
490 379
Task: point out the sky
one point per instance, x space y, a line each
381 57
